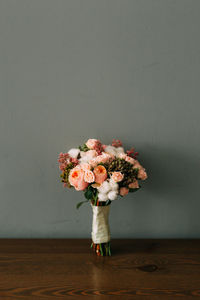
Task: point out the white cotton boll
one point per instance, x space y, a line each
120 150
113 185
83 160
110 150
112 195
88 155
82 153
105 187
74 152
102 197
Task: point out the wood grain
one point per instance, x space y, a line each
68 269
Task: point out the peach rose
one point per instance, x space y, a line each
85 166
89 176
134 185
76 179
100 174
142 174
123 191
117 176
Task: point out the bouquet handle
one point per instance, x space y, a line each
101 230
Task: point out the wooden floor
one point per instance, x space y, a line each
68 269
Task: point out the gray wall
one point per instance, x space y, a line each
73 69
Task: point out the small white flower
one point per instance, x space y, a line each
112 195
74 152
102 197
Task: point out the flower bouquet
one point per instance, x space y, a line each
103 172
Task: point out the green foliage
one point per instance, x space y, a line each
84 148
91 194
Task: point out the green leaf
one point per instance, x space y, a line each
80 203
88 194
84 148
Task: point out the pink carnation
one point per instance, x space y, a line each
117 176
89 176
123 191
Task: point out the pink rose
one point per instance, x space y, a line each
93 162
117 176
89 176
130 159
123 191
100 174
134 185
142 174
103 158
92 143
76 179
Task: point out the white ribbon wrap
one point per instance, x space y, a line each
100 225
